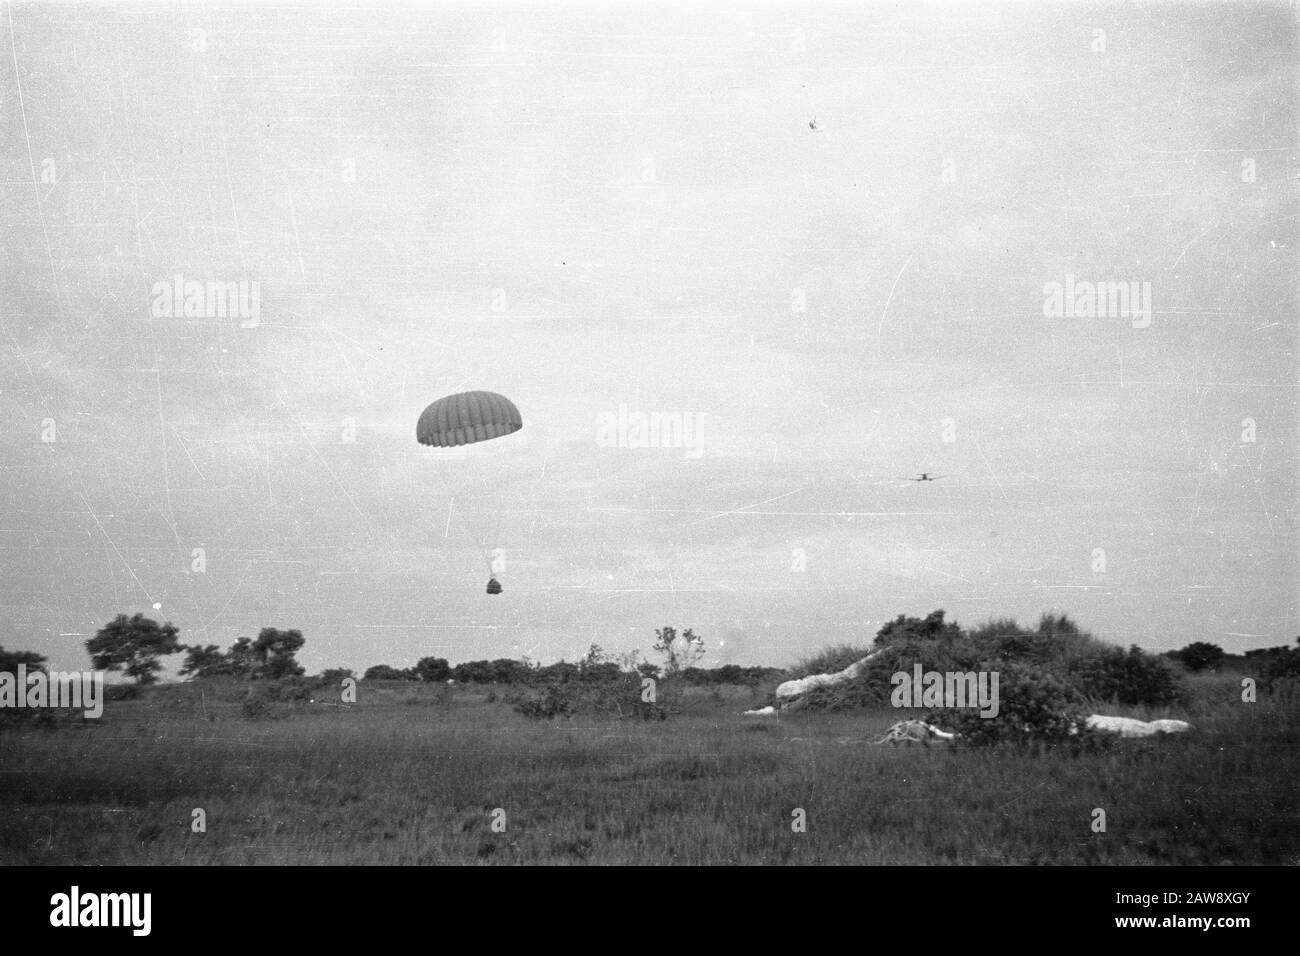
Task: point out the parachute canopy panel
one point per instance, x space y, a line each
466 418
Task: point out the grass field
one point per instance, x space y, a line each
412 774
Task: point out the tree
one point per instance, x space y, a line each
433 669
386 672
473 672
1283 665
506 670
597 667
274 651
203 661
9 661
680 652
1199 656
240 659
133 645
1056 624
335 675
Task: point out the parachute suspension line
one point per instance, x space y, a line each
475 530
503 500
468 418
460 503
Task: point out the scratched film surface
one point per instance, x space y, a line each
812 316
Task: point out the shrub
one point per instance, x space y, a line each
433 670
551 702
1033 705
1081 665
614 699
1199 656
932 627
10 661
333 677
727 674
1055 643
1130 677
1282 666
387 672
595 686
474 672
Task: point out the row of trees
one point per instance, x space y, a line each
506 671
679 652
272 656
1200 656
136 646
10 661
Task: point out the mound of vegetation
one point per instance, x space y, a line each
1050 676
1033 705
595 686
1126 678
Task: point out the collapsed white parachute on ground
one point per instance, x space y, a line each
790 695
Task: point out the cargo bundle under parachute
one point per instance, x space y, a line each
466 419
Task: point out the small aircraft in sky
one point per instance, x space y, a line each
812 124
925 476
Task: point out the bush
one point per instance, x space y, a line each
1199 656
595 686
1282 666
1081 665
433 670
474 672
1055 643
386 672
1130 677
727 674
614 699
1033 705
334 677
552 702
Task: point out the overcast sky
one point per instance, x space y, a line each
627 206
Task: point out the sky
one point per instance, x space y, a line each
823 234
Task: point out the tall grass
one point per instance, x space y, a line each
414 776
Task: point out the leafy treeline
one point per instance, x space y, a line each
9 661
136 645
506 671
1271 664
1088 667
271 656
